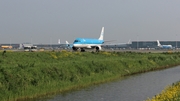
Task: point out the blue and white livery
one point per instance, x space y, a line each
164 46
82 43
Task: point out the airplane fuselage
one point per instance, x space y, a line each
81 43
166 46
87 43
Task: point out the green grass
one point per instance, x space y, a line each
31 74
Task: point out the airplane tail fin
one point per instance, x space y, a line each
21 46
69 45
59 42
158 43
67 42
102 34
129 42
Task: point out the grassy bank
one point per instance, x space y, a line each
27 75
171 93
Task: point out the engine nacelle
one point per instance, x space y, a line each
89 47
98 48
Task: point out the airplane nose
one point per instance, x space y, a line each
74 45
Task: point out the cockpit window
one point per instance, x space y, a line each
76 41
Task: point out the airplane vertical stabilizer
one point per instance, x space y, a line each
158 43
129 42
59 41
67 42
102 34
69 45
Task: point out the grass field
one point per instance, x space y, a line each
31 74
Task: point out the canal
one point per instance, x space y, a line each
132 88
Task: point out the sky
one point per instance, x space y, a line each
46 21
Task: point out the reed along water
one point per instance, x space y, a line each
132 88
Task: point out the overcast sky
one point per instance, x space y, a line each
46 21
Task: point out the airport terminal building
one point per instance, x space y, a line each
132 45
153 44
144 45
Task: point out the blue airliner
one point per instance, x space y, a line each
85 43
164 46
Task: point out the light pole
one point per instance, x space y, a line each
50 43
176 41
10 47
137 42
31 40
10 42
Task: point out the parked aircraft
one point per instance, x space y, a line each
59 41
164 46
60 45
82 43
69 45
6 47
28 47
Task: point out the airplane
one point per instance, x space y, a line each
6 47
60 45
59 41
164 46
69 45
82 43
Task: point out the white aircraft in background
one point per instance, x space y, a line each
69 45
60 45
164 46
59 41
